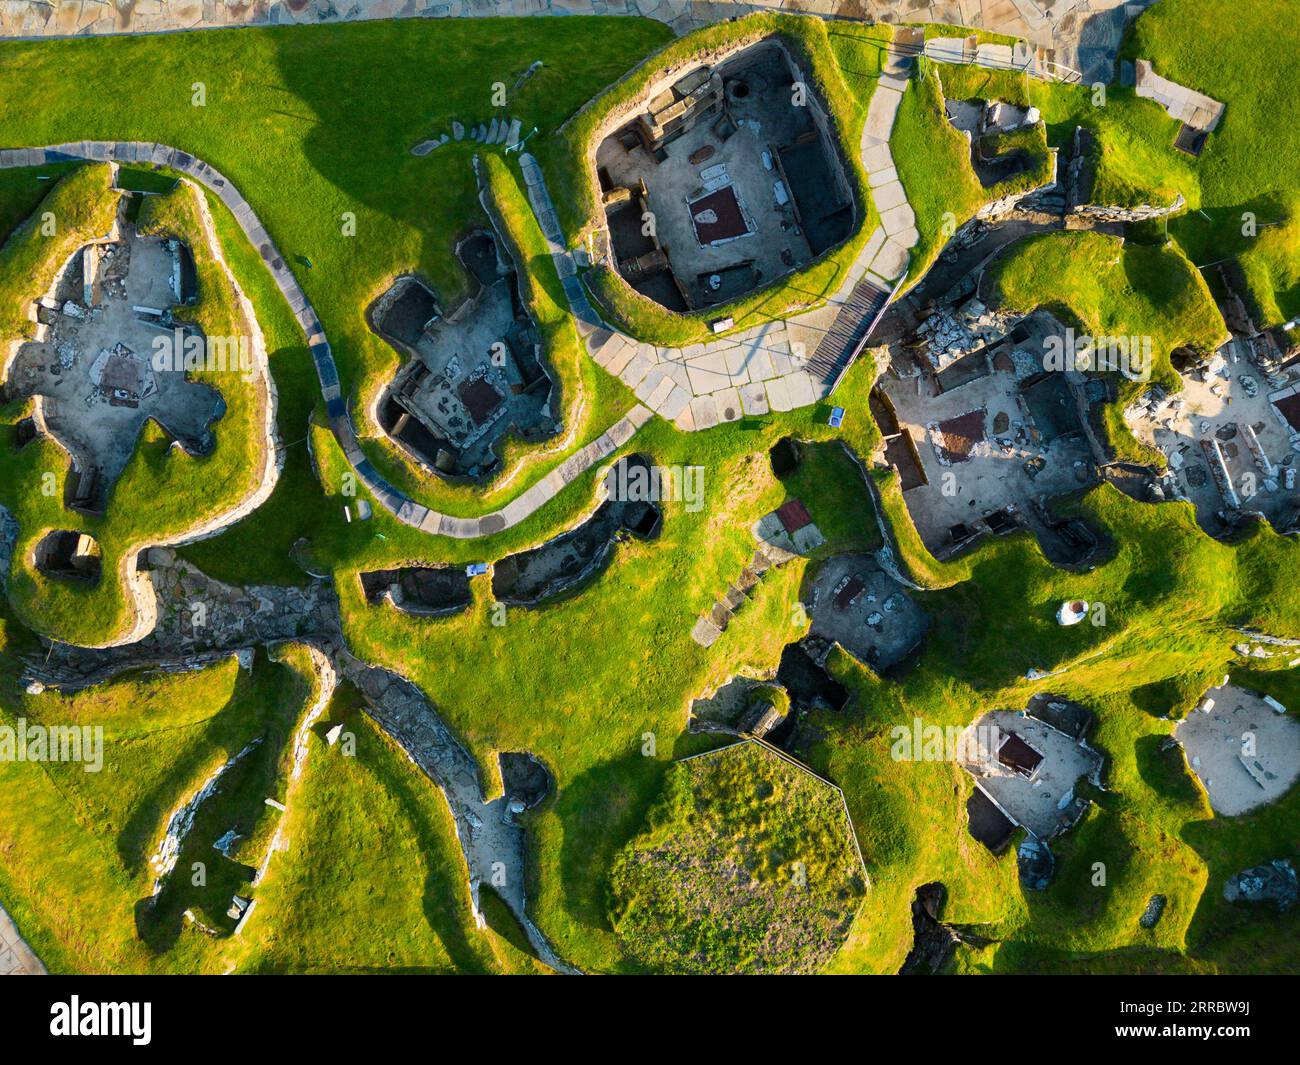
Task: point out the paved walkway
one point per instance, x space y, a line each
775 366
16 957
1079 34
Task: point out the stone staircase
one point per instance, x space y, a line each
714 623
849 332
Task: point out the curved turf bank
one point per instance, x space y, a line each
154 500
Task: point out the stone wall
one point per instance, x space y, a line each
1006 204
1141 213
199 621
8 538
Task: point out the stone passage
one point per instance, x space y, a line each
571 559
713 624
199 620
489 834
428 591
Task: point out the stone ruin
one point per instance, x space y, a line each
92 366
570 560
1273 882
472 376
744 186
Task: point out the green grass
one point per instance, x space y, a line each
1136 162
1171 594
527 685
747 865
370 875
82 903
155 497
1105 287
970 82
933 158
1251 164
933 162
598 685
22 190
290 119
145 179
373 878
1247 66
1270 265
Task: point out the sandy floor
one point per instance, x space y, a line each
1038 802
1214 743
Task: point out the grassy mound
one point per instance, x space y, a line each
164 494
934 158
748 865
1251 164
303 136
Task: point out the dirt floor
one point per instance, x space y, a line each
94 369
472 376
863 609
1243 752
981 449
1219 405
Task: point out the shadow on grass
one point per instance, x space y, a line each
1165 771
204 879
228 731
1244 937
601 811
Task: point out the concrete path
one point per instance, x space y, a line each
775 366
1080 34
16 957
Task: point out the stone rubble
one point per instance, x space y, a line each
1273 881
